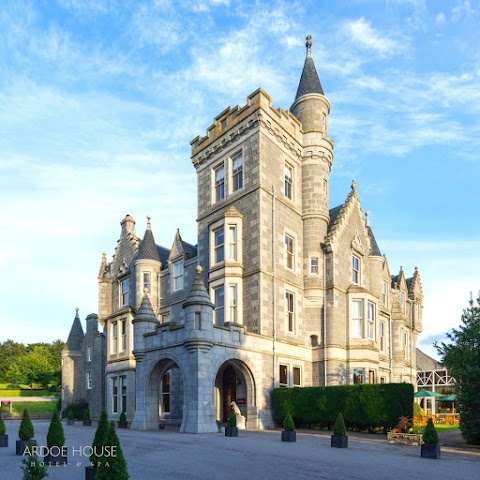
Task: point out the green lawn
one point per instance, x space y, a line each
4 392
440 427
32 407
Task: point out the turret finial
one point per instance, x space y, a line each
149 224
367 221
76 311
199 269
354 186
308 44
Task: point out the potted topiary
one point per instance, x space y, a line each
33 469
87 422
112 466
97 446
430 448
57 452
70 417
122 421
339 438
231 429
3 436
25 434
289 434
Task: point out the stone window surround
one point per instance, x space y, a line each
288 181
365 298
147 281
288 372
226 222
89 380
356 268
313 266
290 301
290 255
177 271
218 186
227 283
123 291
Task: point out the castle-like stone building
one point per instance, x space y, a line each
280 291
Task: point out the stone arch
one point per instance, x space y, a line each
159 369
234 379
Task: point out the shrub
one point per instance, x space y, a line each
417 409
430 435
112 466
86 415
70 414
26 431
2 425
33 469
123 417
78 409
288 423
100 437
55 435
363 406
339 427
59 404
232 419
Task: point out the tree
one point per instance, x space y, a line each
26 431
33 367
10 351
99 439
33 468
461 355
113 463
55 435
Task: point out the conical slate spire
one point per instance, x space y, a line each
309 81
148 248
75 338
198 293
145 312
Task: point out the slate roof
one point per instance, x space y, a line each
164 253
374 250
409 282
394 279
76 336
309 81
333 216
148 248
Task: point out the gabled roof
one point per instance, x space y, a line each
76 336
179 247
309 81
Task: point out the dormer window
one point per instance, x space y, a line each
124 292
177 274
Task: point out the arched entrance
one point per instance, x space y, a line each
165 394
234 382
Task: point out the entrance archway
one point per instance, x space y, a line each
234 382
165 394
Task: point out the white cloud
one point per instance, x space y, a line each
463 9
363 34
440 18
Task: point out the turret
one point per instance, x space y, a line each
147 268
311 107
144 322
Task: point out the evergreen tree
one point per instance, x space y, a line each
33 468
55 435
26 431
339 426
2 425
112 466
430 435
100 437
461 355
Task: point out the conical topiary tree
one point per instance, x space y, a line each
99 439
339 426
113 463
288 424
33 469
430 435
55 435
26 431
2 425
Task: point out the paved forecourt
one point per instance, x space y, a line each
167 454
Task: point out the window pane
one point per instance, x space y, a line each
237 172
219 245
219 306
314 266
289 252
232 242
219 183
296 377
288 181
232 299
283 375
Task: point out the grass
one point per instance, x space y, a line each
440 427
32 407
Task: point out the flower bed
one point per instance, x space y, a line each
413 439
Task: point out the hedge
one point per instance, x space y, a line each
363 407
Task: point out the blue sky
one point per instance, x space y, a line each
100 99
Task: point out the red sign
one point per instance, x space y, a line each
240 401
5 402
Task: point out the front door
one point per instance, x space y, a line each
229 391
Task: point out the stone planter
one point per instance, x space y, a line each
231 431
290 436
87 423
21 445
429 450
3 440
90 473
55 459
161 424
122 424
412 439
339 441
